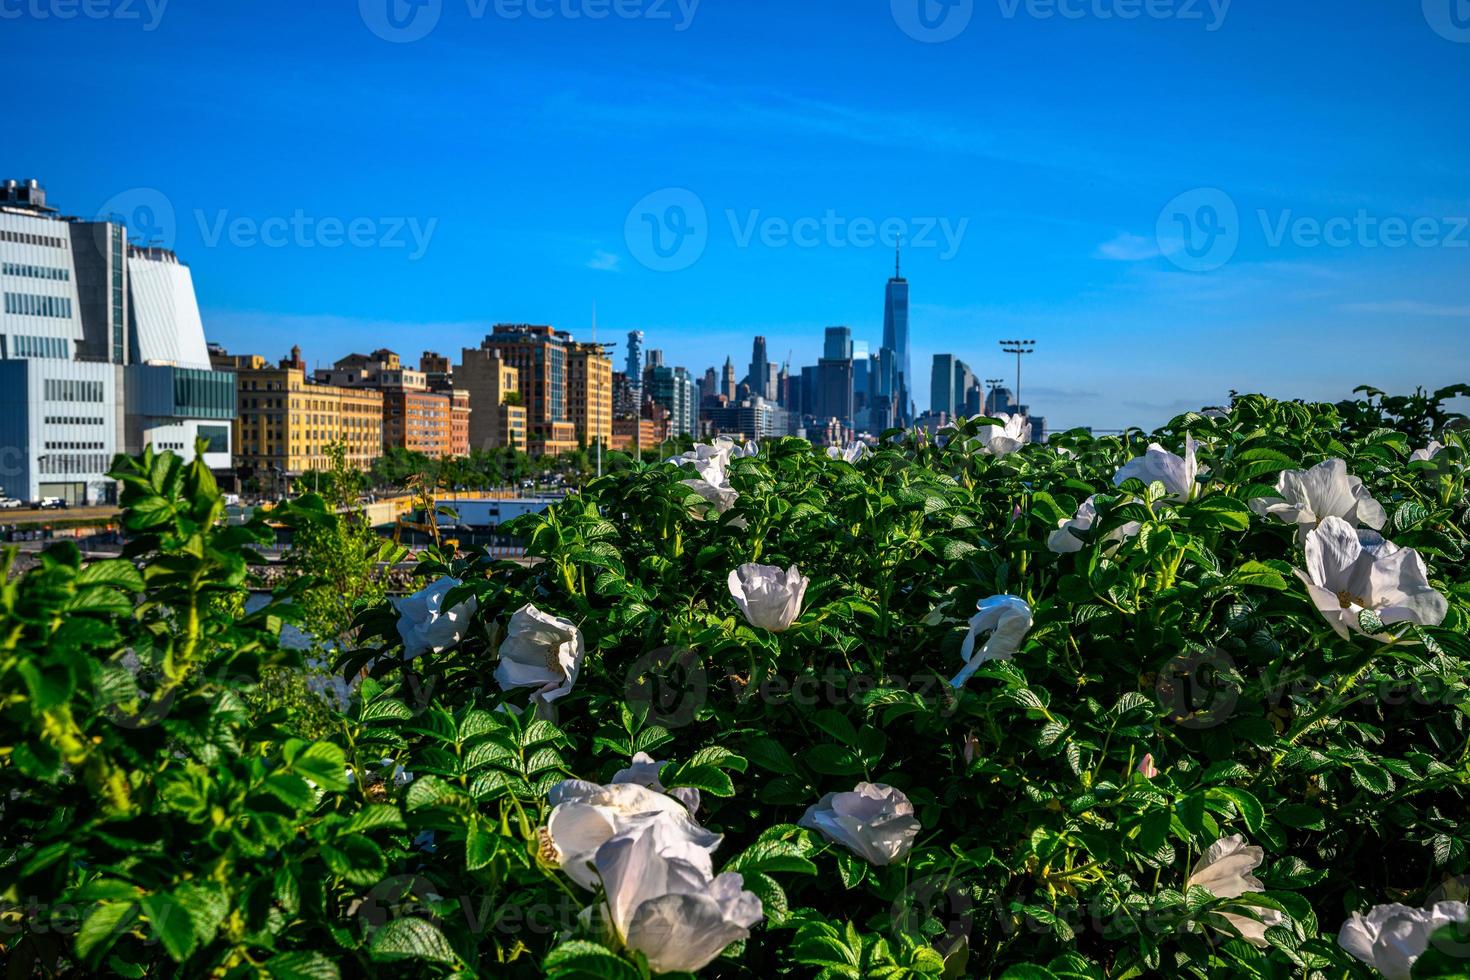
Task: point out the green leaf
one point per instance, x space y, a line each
324 764
772 856
114 572
1250 809
374 816
1260 576
582 960
706 779
1300 816
411 939
300 966
851 868
432 791
770 755
172 925
1028 971
102 926
833 760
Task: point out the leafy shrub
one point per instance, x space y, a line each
1176 687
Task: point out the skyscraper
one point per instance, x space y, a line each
675 391
635 358
834 370
838 345
950 386
762 377
941 385
729 387
896 337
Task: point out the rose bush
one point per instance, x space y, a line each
1225 734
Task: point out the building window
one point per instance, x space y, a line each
28 304
60 390
25 238
35 272
54 347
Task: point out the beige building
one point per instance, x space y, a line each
497 415
286 422
540 355
589 392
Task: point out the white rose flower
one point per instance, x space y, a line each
1391 937
585 816
874 821
425 626
664 900
540 651
770 598
1065 541
1225 872
852 454
1007 438
1349 571
1325 490
1177 473
1007 619
1427 453
713 482
721 450
645 771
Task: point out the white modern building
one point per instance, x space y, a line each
101 351
172 395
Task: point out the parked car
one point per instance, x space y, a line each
10 503
53 503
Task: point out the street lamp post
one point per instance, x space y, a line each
1019 348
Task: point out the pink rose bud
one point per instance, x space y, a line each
972 748
1146 768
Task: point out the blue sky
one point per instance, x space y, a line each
338 190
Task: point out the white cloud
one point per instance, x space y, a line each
1129 248
605 261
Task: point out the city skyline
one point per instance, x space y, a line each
1037 201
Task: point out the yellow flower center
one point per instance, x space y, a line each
1348 600
547 849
